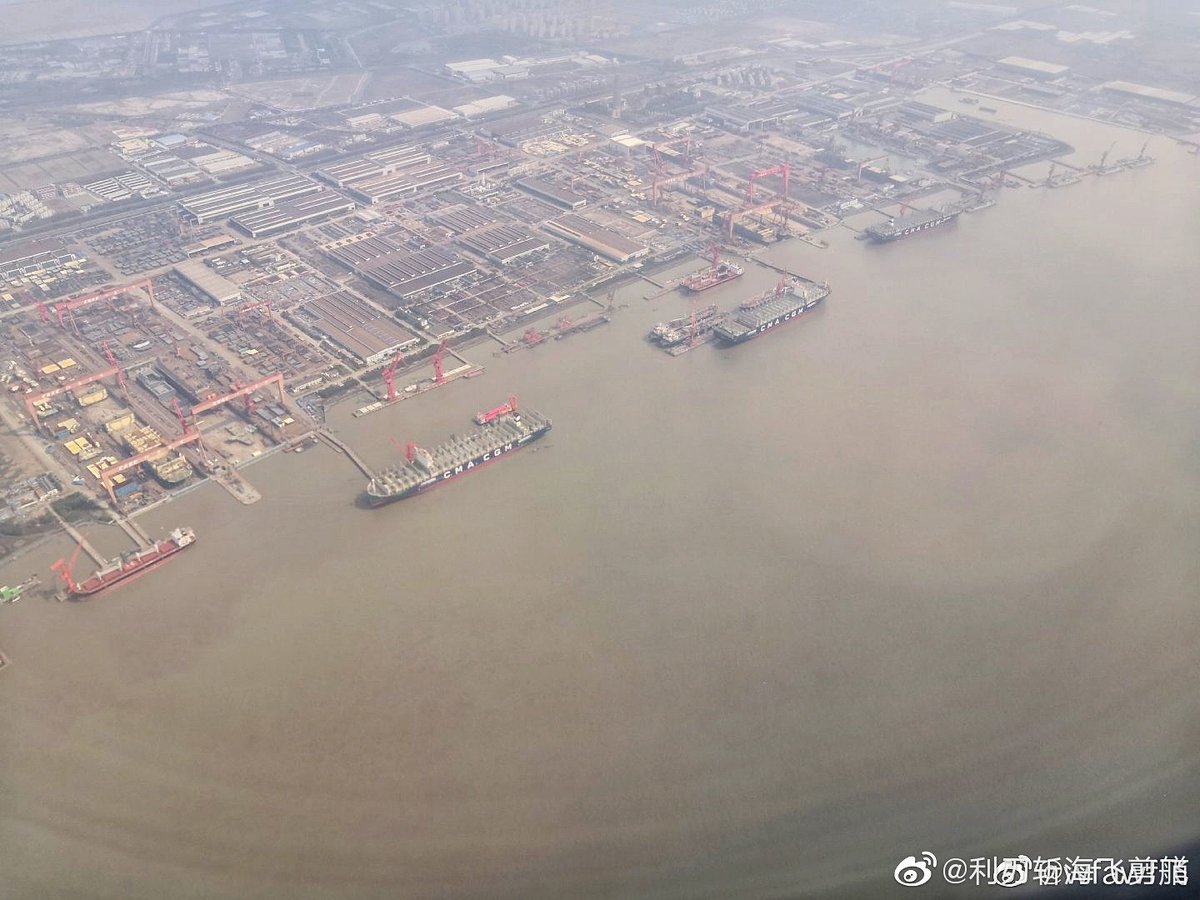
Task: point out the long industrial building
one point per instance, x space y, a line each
356 327
503 244
583 233
233 201
288 215
387 174
214 286
544 190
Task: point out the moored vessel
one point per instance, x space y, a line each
790 299
507 429
903 226
676 331
126 567
718 273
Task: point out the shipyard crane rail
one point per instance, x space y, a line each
31 400
246 391
132 462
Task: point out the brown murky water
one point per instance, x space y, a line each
916 573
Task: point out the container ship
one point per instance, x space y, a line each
789 300
903 226
676 331
507 429
127 567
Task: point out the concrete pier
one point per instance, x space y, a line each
79 538
339 445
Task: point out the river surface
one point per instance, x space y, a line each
917 572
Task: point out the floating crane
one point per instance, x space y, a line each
714 250
504 409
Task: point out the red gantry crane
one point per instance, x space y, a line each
782 169
107 475
246 391
108 353
250 307
66 306
31 400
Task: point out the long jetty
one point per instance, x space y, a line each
342 447
79 538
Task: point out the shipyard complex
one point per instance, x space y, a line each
188 288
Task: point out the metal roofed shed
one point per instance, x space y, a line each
1146 92
1035 67
215 287
552 192
580 231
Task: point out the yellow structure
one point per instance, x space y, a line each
120 423
100 465
139 440
82 448
92 393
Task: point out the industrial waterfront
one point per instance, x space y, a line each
917 572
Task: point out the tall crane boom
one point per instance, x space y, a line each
438 377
